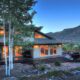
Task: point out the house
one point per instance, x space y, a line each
44 46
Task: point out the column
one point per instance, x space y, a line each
49 51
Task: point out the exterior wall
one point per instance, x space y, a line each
1 39
59 51
37 52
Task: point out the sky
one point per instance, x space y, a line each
56 15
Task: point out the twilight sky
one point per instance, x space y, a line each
56 15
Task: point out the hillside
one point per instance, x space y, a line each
67 35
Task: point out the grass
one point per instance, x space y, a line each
41 68
57 63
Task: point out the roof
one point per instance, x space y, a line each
42 41
45 41
37 28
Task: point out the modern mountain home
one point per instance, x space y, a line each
44 46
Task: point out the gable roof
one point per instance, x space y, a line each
38 30
43 41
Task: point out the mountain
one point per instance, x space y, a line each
67 35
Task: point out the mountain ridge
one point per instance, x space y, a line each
67 35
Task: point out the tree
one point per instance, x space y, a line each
68 47
17 17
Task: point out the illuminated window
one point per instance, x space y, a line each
36 46
53 51
1 32
5 48
18 51
38 35
44 50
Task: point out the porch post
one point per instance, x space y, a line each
49 50
59 50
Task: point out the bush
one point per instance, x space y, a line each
78 68
59 74
41 68
75 56
57 63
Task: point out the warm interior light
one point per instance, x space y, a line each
59 45
44 50
42 55
36 46
38 35
1 32
5 48
18 51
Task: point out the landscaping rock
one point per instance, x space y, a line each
76 72
10 78
28 71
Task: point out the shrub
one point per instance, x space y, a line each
54 73
48 75
57 63
41 68
75 56
78 68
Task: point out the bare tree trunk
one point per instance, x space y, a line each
6 65
4 41
10 45
12 48
9 55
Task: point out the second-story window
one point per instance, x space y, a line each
38 35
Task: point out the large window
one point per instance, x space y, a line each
5 48
53 50
44 50
38 35
18 51
1 32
